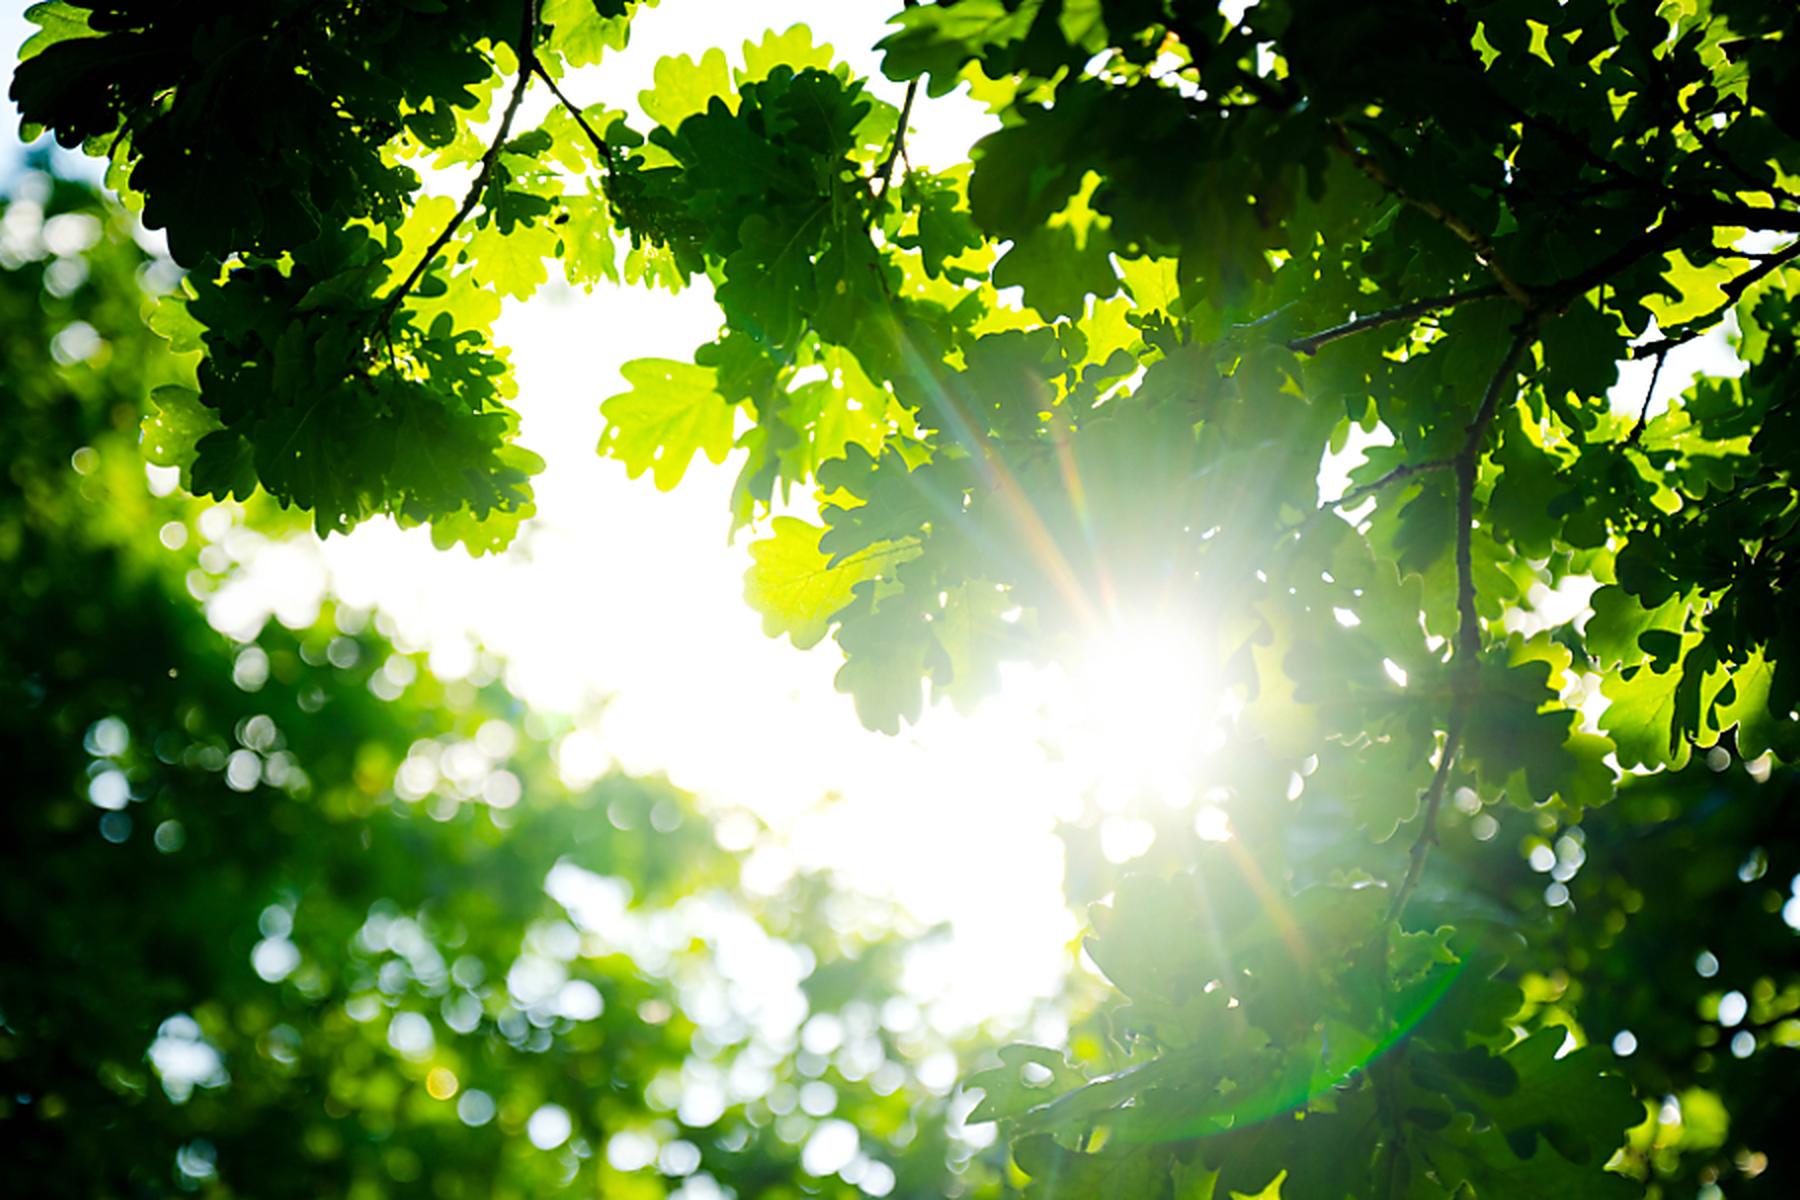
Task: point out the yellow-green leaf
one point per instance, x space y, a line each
672 410
793 49
794 585
685 87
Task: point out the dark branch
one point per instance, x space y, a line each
1637 431
1657 238
574 110
1357 495
527 50
1750 216
1465 658
1311 342
1703 133
885 172
1734 290
1474 238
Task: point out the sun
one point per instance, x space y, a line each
1146 710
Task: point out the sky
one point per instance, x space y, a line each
625 604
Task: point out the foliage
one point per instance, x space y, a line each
293 918
1235 244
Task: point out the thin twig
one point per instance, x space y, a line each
1750 216
574 110
1711 145
1580 147
527 59
1733 289
1637 431
885 173
1465 660
1475 239
1699 125
1658 237
1357 495
1311 342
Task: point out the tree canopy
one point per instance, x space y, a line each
1501 904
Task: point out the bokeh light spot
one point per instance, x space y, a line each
549 1127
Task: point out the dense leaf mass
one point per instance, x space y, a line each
1091 376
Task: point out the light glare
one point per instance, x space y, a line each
1149 711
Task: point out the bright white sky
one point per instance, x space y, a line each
624 593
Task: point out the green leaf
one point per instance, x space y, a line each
1058 269
580 33
671 412
684 88
479 535
1115 1170
1615 631
1526 741
793 49
1641 716
56 21
1152 283
1028 1076
796 586
585 241
937 39
172 432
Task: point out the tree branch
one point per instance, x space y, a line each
1733 289
1311 343
1658 237
1750 216
527 50
1637 431
1704 135
1467 465
1357 495
885 172
1476 240
574 110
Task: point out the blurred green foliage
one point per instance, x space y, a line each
293 918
